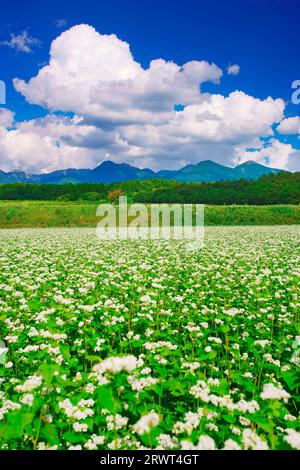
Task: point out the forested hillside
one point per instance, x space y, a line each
281 188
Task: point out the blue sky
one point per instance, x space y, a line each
261 37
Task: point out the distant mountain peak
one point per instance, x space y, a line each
108 163
111 172
251 162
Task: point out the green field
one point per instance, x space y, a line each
31 214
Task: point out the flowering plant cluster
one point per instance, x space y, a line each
145 345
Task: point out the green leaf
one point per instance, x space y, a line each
73 438
49 433
105 398
65 351
229 418
292 379
93 358
47 371
265 424
15 425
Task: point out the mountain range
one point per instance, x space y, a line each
110 172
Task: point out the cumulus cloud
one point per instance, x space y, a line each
233 118
212 129
97 76
128 113
233 69
273 153
39 146
6 118
22 42
289 126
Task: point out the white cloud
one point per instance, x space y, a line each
6 118
208 130
233 69
22 42
233 118
289 126
125 112
211 129
294 161
96 75
39 146
274 154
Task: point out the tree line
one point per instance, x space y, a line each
281 188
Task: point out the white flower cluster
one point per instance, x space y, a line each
146 423
8 405
41 317
252 441
204 443
114 365
165 442
262 342
139 384
159 344
125 442
115 422
232 312
43 446
230 444
80 427
147 299
80 411
293 438
192 366
191 422
94 442
33 382
270 392
201 390
28 399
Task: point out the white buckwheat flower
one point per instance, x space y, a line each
270 392
145 423
28 399
293 438
34 381
116 364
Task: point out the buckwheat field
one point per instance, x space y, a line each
145 344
